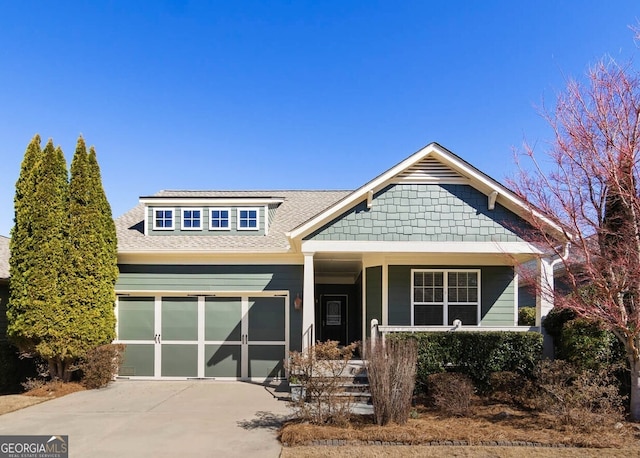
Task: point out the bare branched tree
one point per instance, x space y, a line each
591 190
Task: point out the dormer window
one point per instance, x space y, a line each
248 219
163 219
191 219
219 219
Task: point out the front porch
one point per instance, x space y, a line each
418 292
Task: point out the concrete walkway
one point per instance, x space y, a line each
161 419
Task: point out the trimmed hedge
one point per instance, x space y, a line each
476 354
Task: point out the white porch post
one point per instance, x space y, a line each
308 303
544 300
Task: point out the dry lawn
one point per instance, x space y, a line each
499 423
403 451
51 390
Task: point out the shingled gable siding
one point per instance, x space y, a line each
233 221
424 212
213 278
497 287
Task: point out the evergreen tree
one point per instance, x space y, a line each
21 244
92 271
36 314
63 258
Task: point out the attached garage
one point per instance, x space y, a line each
228 336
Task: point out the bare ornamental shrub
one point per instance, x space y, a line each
584 399
511 388
321 371
451 393
391 368
101 365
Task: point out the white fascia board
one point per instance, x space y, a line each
206 201
344 246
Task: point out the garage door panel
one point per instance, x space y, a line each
179 318
138 360
179 360
222 319
266 361
136 319
223 360
267 319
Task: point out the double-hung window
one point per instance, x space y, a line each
248 219
163 219
219 219
191 219
439 297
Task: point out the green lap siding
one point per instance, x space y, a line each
373 296
497 285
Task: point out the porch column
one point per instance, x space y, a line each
544 300
308 303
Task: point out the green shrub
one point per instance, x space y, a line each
586 345
527 316
476 354
100 365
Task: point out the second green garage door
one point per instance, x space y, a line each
243 337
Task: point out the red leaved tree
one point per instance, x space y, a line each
591 190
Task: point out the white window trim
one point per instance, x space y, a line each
173 218
445 303
257 210
211 210
190 209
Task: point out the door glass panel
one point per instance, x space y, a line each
179 318
222 318
266 361
334 313
179 360
266 319
136 319
222 361
138 360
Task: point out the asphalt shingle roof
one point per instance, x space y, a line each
297 208
4 257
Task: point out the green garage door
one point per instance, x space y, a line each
216 337
245 337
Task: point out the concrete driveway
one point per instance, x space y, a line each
161 419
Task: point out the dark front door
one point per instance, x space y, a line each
334 318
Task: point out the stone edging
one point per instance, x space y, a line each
343 442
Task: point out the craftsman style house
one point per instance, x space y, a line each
224 284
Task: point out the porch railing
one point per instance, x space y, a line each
379 332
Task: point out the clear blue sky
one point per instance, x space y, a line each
287 94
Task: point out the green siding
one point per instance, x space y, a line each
425 212
233 222
497 294
373 296
187 278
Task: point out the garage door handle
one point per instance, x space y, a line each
156 338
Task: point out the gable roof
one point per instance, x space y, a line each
4 257
431 164
296 208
